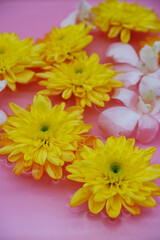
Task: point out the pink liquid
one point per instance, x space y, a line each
39 210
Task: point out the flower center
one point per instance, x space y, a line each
44 128
79 70
115 167
149 96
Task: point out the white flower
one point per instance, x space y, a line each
134 66
138 117
82 14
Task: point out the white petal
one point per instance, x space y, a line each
129 78
147 129
118 121
3 117
149 56
84 12
123 53
149 87
70 20
126 96
155 74
156 107
3 84
142 107
157 117
84 6
124 67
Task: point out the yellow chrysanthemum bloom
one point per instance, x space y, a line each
65 43
85 78
17 59
115 175
116 18
42 138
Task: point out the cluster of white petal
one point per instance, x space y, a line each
82 14
139 116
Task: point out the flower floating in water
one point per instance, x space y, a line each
82 14
132 66
65 43
116 18
17 60
84 77
115 175
140 115
42 138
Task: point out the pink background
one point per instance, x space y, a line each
39 210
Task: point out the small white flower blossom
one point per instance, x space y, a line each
138 117
82 14
132 66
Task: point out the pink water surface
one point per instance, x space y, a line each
39 210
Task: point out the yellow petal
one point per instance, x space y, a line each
42 156
83 102
95 100
149 202
74 169
113 206
14 156
89 140
99 143
41 104
68 156
7 149
17 109
24 77
95 207
18 167
105 25
37 171
53 159
136 196
76 178
114 31
12 86
125 35
10 76
81 196
54 172
44 75
67 93
135 210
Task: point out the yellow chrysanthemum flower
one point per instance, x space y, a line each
117 18
65 43
42 138
85 78
17 58
115 175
